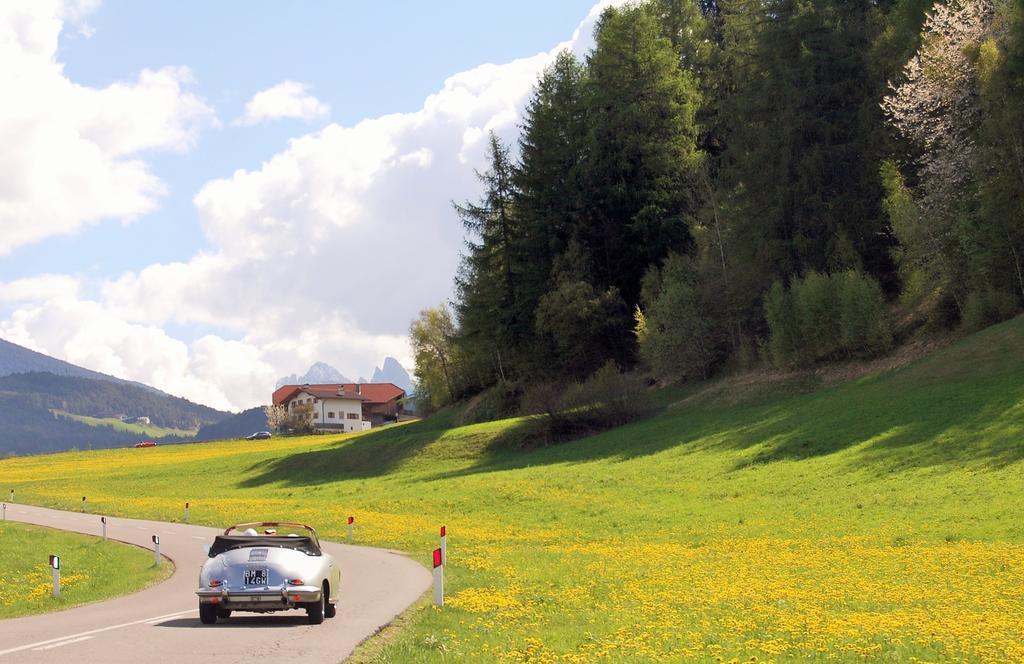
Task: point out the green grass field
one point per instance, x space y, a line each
876 520
91 569
148 430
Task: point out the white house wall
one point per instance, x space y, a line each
340 407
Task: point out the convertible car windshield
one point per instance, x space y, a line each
224 543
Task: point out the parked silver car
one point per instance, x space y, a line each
265 567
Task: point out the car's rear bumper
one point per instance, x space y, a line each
260 600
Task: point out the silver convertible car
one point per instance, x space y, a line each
265 567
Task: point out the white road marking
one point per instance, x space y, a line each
63 643
169 532
198 537
33 646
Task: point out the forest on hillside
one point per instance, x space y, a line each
724 183
106 398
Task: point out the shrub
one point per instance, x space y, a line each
677 333
988 307
607 399
816 303
495 403
782 322
826 316
864 328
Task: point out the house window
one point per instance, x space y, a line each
330 415
352 416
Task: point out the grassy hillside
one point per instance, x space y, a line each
875 520
101 398
91 569
130 427
43 412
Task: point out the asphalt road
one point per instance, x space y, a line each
161 623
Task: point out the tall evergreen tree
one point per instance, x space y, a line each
798 179
490 319
1001 159
643 158
550 195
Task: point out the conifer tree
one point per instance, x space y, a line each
642 158
488 310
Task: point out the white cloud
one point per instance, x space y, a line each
219 373
39 287
287 99
326 252
72 154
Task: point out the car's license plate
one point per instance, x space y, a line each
255 577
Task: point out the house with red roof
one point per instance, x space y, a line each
344 406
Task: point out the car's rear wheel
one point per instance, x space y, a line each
330 610
207 613
315 611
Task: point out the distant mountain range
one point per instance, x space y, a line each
15 359
393 372
47 405
321 372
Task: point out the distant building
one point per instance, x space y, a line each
344 406
141 420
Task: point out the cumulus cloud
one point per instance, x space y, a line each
72 154
326 252
287 99
39 287
220 373
351 220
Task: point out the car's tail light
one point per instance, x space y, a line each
216 583
296 582
296 598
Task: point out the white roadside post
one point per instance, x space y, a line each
12 495
444 546
438 578
5 511
351 520
83 503
103 521
186 511
156 549
55 564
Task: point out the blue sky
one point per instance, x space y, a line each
363 59
163 232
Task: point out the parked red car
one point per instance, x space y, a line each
146 443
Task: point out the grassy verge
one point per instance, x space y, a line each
876 520
91 569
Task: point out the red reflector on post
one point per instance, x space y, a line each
437 557
351 519
442 531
